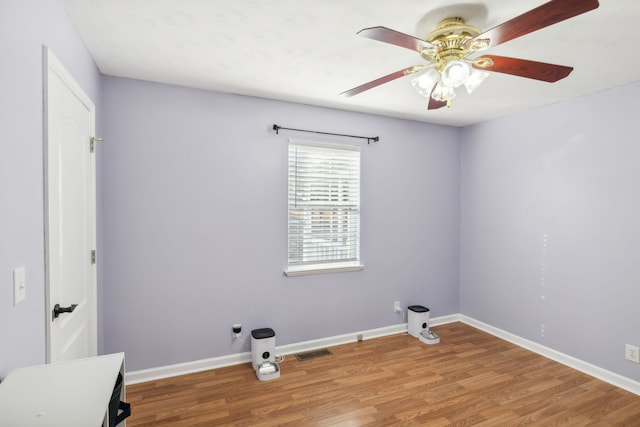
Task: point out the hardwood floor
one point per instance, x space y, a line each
470 378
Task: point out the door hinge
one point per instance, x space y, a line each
93 256
92 143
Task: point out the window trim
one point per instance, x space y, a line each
334 267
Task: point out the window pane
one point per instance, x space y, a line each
324 203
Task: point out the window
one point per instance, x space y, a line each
324 208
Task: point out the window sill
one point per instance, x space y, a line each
322 269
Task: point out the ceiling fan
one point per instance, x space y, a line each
449 51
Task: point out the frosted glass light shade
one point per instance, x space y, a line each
423 84
443 92
455 74
475 79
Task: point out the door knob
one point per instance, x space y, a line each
57 310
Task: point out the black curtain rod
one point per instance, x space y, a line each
368 138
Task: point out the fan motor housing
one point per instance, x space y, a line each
450 38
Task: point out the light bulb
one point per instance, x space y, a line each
455 73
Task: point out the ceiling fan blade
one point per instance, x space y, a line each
542 16
382 80
434 104
387 35
522 68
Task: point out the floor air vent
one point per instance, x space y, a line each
313 354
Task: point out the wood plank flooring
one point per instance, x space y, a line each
470 378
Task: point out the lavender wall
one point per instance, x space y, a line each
25 26
550 226
195 220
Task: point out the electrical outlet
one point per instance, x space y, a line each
237 330
19 285
396 307
632 353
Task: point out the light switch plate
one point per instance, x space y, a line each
19 285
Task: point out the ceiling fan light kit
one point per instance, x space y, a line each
450 48
450 44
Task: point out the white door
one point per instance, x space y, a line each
70 211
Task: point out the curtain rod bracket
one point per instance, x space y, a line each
368 138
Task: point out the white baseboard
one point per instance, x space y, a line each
340 339
161 372
443 320
168 371
602 374
152 374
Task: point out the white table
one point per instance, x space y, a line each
74 393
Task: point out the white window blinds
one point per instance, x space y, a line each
324 204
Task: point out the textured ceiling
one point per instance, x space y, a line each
307 51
